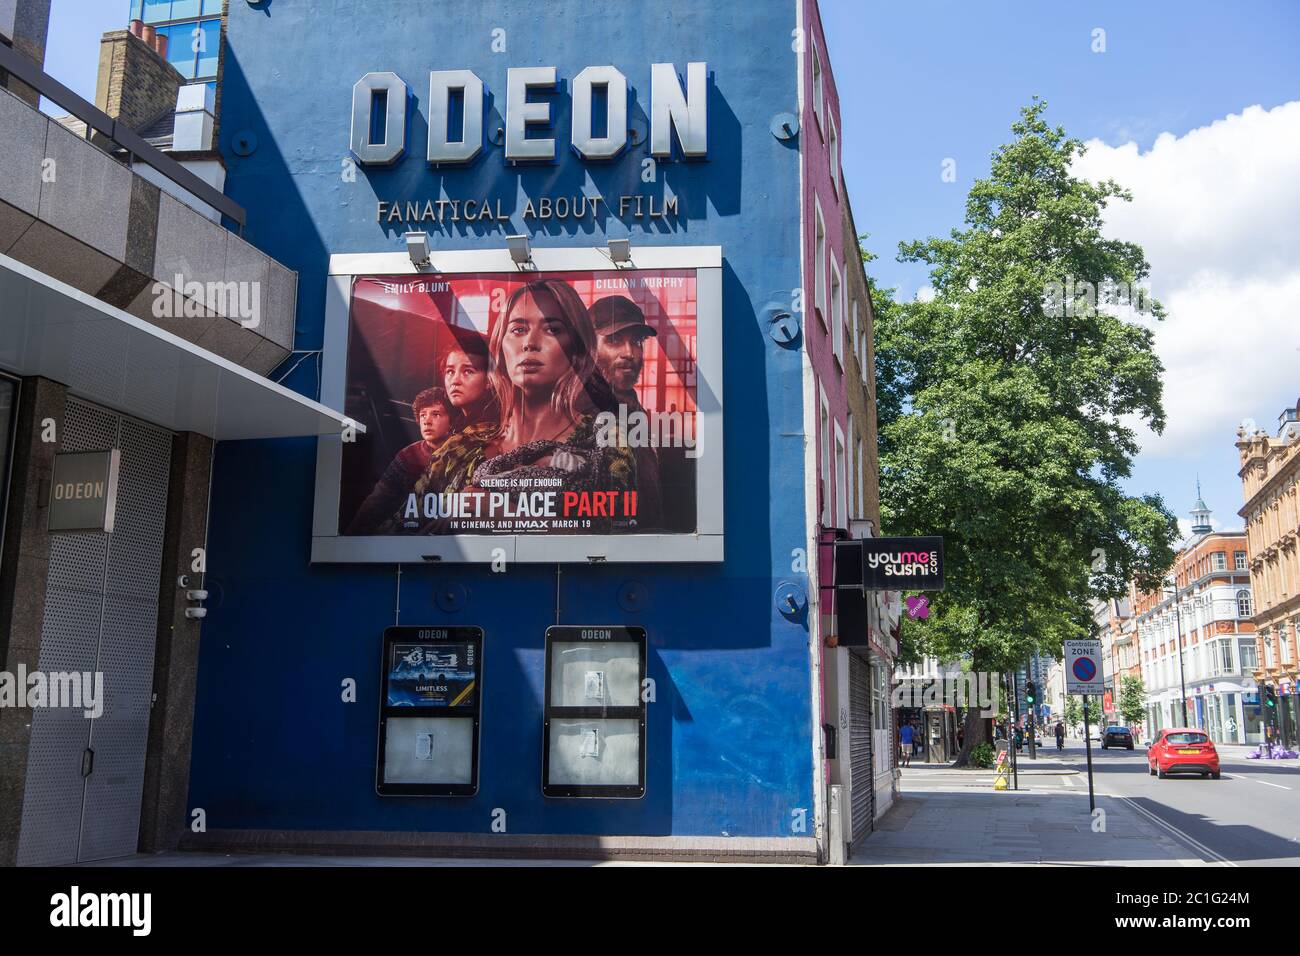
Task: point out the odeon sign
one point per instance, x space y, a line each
672 108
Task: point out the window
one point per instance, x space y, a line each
855 332
837 315
842 479
162 11
825 464
1268 648
1239 560
819 262
1249 655
862 482
818 90
1220 561
1244 609
864 351
833 147
1284 645
855 476
194 48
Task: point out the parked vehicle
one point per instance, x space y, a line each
1117 736
1183 750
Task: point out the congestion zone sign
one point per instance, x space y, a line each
1083 667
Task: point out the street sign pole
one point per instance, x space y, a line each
1087 745
1083 675
1029 716
1011 731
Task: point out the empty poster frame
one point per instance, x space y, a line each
620 716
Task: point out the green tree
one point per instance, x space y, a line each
1073 711
1132 699
1005 420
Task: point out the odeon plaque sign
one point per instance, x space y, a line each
457 105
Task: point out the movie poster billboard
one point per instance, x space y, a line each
522 403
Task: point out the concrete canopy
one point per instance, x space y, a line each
106 355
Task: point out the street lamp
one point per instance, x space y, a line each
1182 680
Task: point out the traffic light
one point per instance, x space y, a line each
1270 705
1031 693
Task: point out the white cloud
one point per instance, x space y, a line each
1217 212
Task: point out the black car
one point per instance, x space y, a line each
1115 736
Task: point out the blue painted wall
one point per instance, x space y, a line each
730 736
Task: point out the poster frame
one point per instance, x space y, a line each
705 545
620 634
453 634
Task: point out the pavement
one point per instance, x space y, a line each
947 816
201 860
955 817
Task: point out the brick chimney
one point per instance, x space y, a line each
136 83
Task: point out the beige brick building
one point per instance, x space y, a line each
1270 477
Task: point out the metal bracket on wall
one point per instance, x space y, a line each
782 325
450 597
791 600
785 126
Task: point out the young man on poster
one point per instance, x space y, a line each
621 331
436 417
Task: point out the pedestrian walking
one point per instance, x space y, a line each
1060 735
905 743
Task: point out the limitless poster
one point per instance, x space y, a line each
431 675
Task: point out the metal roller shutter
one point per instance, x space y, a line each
861 778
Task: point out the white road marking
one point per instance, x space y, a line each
1265 783
1190 841
1069 781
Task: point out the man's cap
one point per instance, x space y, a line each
616 313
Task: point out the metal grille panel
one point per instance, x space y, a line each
101 615
861 778
54 793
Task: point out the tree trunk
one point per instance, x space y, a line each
975 731
975 727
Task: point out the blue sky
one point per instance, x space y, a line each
926 80
1218 197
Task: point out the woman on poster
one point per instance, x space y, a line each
544 375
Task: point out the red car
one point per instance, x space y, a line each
1183 750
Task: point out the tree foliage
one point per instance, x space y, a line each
1132 699
1006 420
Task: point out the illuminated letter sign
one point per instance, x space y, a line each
442 83
672 110
687 113
520 114
615 85
367 147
